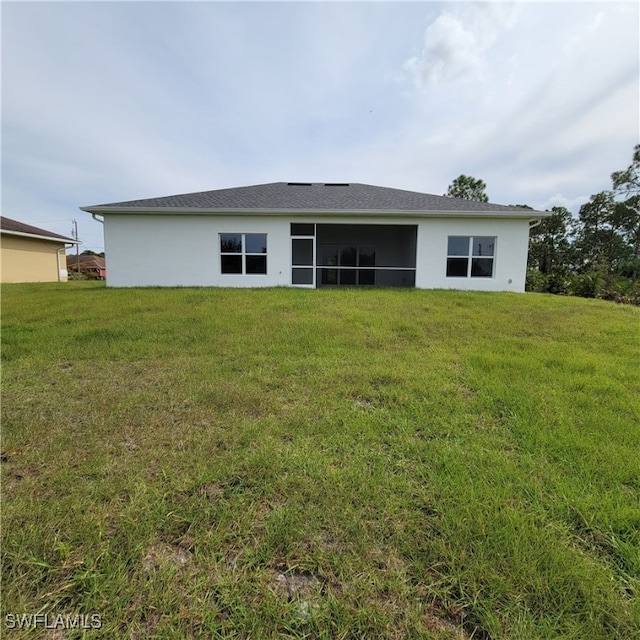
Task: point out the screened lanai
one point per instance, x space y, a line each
332 255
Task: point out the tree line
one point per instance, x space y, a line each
593 255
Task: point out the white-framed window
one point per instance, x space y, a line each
470 256
243 253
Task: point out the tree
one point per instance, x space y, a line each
596 254
627 182
600 236
626 190
468 188
550 253
589 230
549 244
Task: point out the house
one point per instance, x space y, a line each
315 235
30 254
89 265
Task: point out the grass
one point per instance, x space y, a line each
279 463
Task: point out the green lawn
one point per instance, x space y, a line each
226 463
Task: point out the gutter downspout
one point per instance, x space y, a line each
63 248
534 223
95 217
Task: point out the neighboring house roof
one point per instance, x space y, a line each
303 197
15 228
86 262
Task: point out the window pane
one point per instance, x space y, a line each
483 246
255 243
328 254
231 264
457 267
458 246
481 267
348 276
303 229
367 257
329 276
231 243
395 278
256 264
348 257
301 276
302 251
366 277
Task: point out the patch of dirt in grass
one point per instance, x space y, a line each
439 622
162 555
365 404
212 490
398 610
325 542
453 620
385 560
149 625
215 491
130 445
448 621
298 587
16 475
376 400
294 584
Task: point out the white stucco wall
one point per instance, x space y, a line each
510 261
183 250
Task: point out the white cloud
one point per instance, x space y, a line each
457 43
548 104
559 200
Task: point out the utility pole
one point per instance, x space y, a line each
75 235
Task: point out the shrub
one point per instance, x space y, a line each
536 281
587 285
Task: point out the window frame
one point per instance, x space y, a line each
471 257
303 274
243 254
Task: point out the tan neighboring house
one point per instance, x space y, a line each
93 267
30 254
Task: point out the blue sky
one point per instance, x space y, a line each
111 101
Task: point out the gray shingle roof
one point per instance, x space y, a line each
317 196
14 226
86 262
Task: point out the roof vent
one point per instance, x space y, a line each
336 184
298 184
